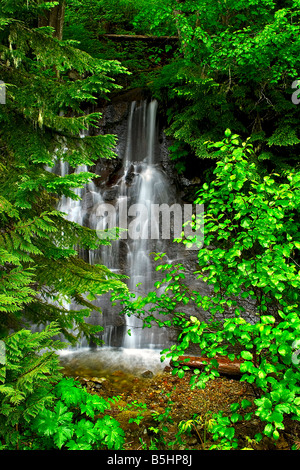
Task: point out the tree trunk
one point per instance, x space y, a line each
177 14
138 37
225 366
55 19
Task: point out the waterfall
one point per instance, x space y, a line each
142 182
149 185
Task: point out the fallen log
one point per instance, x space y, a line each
139 37
225 366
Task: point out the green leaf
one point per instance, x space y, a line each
229 433
245 403
268 430
284 349
267 319
234 406
276 417
62 435
246 355
46 423
235 417
86 430
110 432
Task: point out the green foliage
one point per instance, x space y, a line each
27 378
236 66
100 16
250 258
163 421
162 21
199 113
49 86
41 410
71 422
86 23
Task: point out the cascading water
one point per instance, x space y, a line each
149 186
142 183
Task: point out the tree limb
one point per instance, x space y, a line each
139 37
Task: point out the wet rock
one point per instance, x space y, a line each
109 171
147 374
192 442
98 380
111 194
94 383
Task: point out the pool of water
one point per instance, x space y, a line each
102 362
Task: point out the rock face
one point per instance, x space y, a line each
142 160
138 136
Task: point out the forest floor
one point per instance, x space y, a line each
147 404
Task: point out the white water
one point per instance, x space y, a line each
143 183
108 360
149 186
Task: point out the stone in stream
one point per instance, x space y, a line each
147 374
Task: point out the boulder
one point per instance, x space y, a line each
147 374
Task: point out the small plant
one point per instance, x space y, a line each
163 420
71 424
197 424
140 407
39 409
250 256
26 382
223 430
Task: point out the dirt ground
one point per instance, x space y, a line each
151 406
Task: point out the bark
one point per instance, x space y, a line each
55 19
226 366
177 13
139 37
